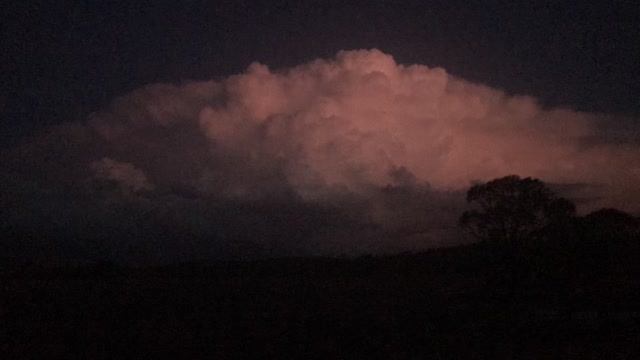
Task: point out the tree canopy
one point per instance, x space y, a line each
511 209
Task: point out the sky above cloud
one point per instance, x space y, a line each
61 63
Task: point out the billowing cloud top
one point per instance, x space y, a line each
333 130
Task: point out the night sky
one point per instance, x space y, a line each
61 60
94 150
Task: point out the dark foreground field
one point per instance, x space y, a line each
466 303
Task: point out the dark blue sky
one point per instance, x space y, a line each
61 60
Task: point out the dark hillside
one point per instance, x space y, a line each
469 302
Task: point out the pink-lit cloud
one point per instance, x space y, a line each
393 146
125 175
343 124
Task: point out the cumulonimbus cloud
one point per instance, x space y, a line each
346 123
351 126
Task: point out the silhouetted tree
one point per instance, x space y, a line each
511 209
609 238
612 223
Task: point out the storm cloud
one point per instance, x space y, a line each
346 155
